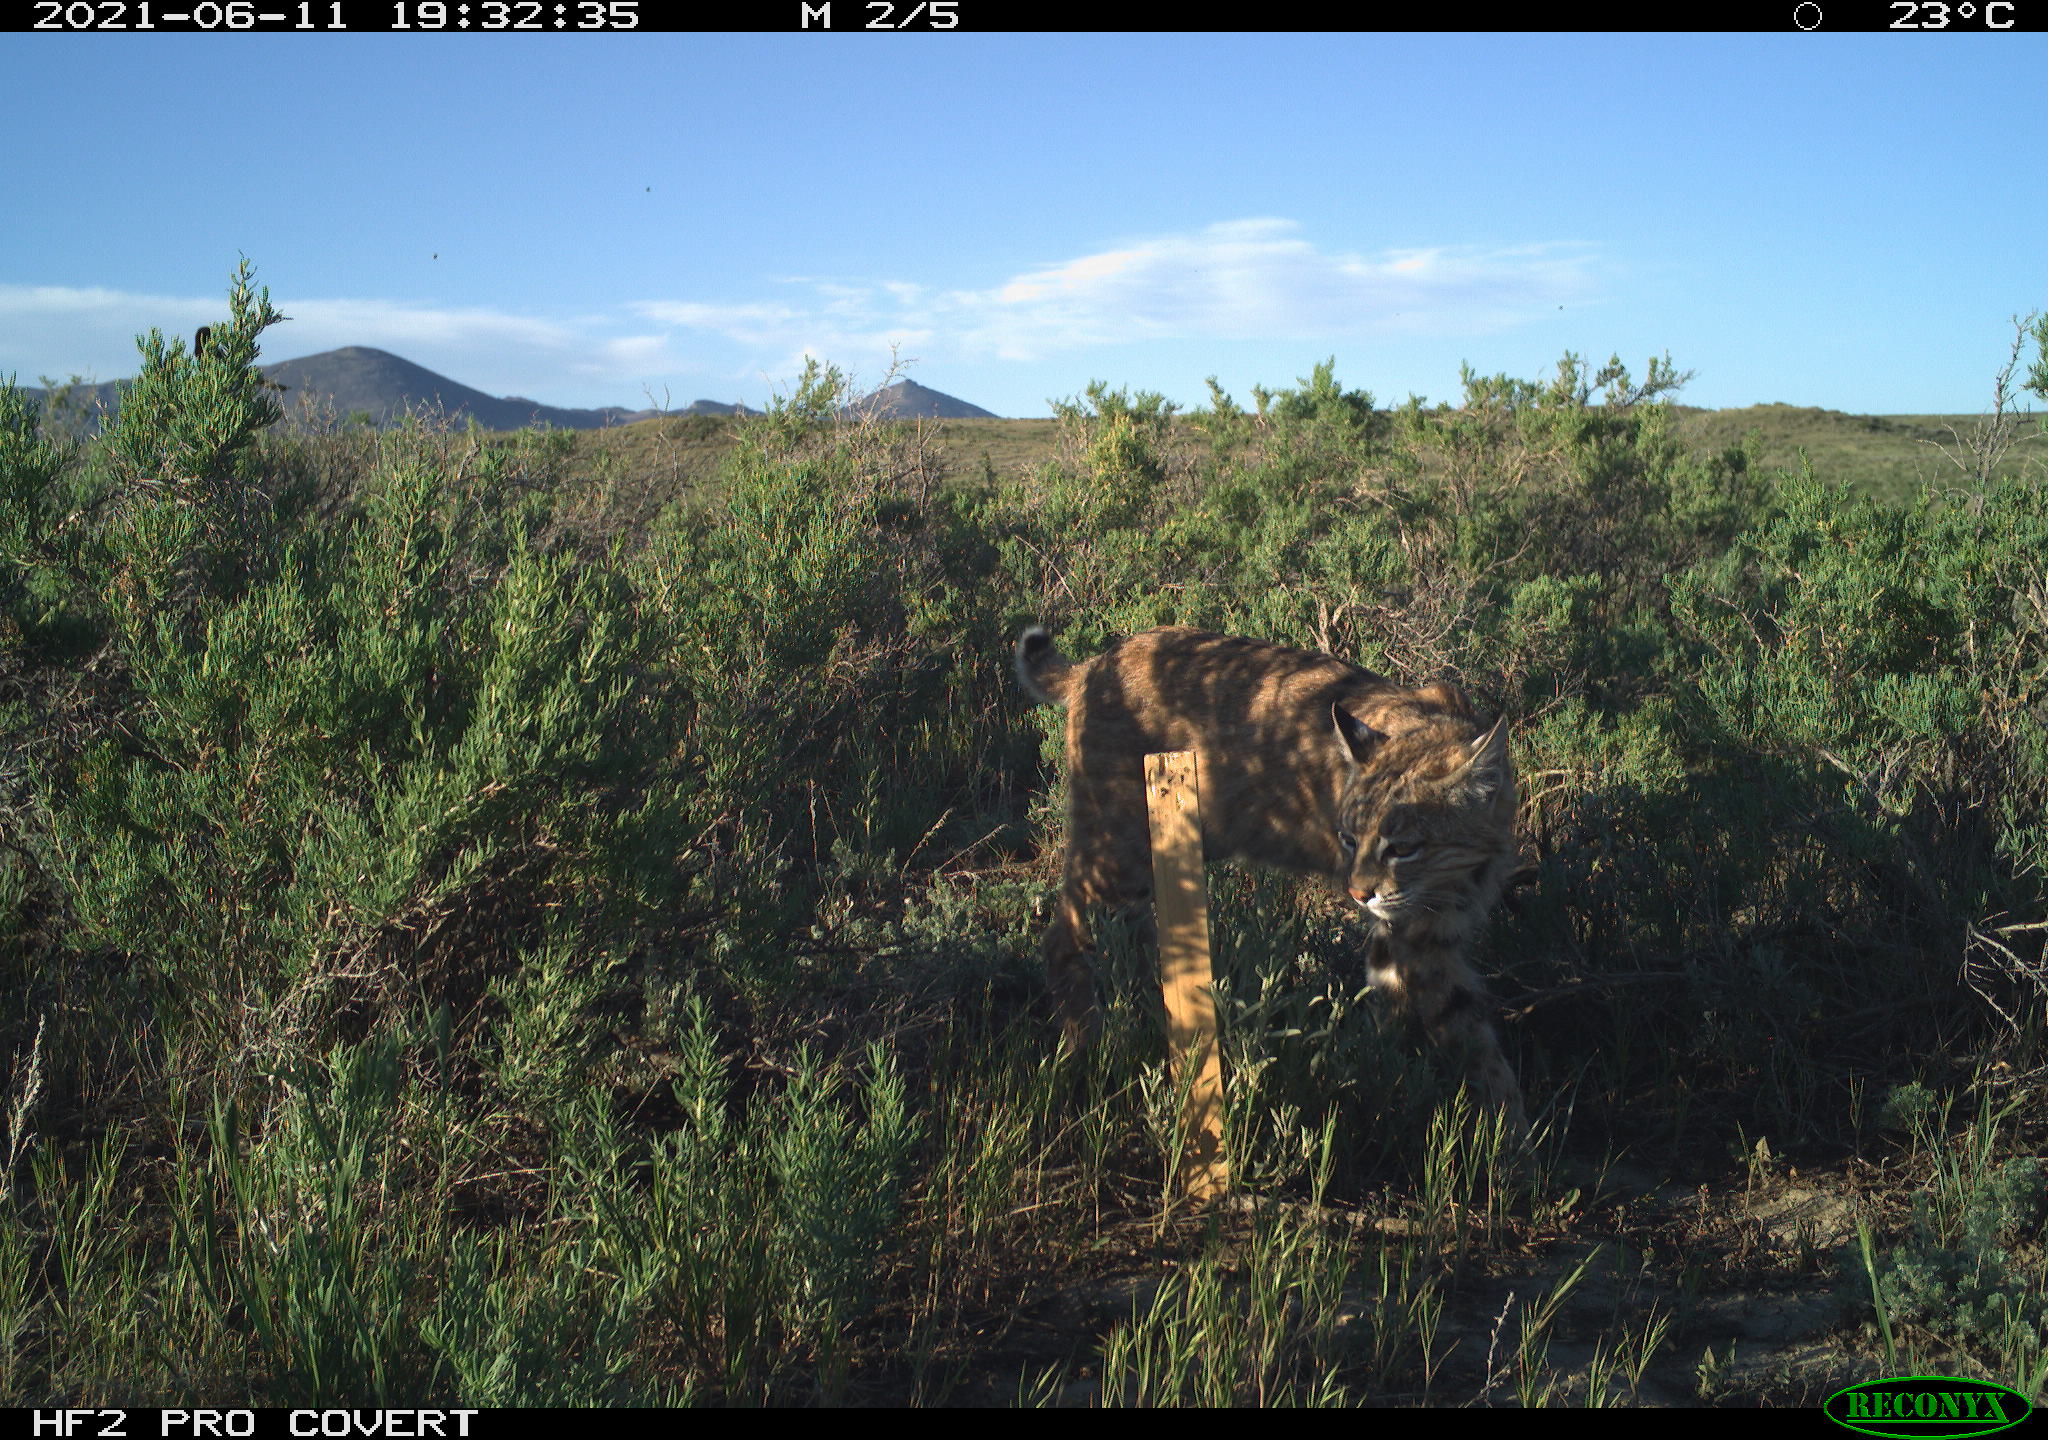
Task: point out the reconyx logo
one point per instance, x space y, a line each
1927 1405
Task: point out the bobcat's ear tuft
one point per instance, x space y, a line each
1357 738
1488 771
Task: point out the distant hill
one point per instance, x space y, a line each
360 380
908 400
1889 457
1893 457
387 387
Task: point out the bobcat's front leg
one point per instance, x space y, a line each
1430 982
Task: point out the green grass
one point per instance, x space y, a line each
1889 457
489 919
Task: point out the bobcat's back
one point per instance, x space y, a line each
1258 716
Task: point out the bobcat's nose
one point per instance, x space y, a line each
1362 895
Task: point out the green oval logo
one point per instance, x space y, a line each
1913 1406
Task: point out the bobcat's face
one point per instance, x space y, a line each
1386 868
1419 831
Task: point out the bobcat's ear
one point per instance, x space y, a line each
1357 738
1488 771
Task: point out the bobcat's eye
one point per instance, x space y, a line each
1348 841
1400 850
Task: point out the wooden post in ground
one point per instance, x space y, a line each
1181 895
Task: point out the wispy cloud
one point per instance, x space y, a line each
1247 280
1256 279
63 331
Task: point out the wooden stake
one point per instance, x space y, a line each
1181 895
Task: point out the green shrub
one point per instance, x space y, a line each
456 948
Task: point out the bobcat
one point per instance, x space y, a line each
1305 762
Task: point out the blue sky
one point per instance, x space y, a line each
1846 221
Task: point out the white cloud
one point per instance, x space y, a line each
51 330
1253 279
324 324
1249 280
62 331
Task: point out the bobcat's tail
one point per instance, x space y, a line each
1041 670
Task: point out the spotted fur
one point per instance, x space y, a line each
1305 762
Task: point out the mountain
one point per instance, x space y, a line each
386 386
358 379
908 400
90 402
